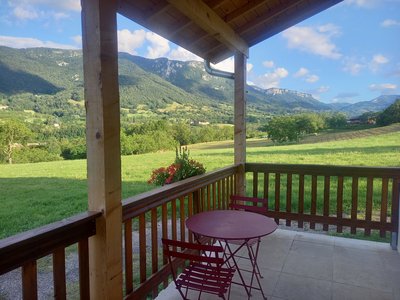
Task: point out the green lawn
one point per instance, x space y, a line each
36 194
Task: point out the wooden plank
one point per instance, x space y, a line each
324 170
266 185
128 256
288 196
208 197
142 248
100 68
384 205
182 218
60 291
29 281
219 183
327 190
255 184
240 121
224 200
354 203
313 198
395 209
164 226
154 248
301 200
206 18
173 220
83 253
190 213
368 204
339 204
277 193
214 195
39 242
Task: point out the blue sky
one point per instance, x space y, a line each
348 53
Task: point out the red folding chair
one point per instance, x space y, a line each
203 273
256 205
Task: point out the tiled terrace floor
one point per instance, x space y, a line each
298 265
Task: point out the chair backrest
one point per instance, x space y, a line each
257 205
193 252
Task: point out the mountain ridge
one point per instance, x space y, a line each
34 78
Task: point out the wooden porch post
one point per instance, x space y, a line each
240 120
100 65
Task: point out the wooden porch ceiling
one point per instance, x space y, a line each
216 29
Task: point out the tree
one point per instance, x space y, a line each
390 115
283 128
13 135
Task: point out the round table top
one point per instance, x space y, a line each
231 224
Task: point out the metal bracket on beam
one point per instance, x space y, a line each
215 72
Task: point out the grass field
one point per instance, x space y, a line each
37 194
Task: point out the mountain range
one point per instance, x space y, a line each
51 81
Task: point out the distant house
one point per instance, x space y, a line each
354 121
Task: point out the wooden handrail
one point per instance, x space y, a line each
324 169
134 206
31 245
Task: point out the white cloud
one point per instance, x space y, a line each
77 40
129 41
21 42
301 72
352 65
316 93
183 55
362 3
25 13
315 40
228 65
383 87
390 23
312 78
379 59
271 79
158 47
305 73
268 64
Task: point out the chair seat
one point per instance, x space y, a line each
203 277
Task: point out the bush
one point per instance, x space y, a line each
182 168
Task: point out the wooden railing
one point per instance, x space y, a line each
364 198
162 213
23 250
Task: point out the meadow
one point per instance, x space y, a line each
36 194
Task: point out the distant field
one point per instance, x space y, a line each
37 194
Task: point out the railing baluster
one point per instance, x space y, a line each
313 199
190 213
395 212
154 247
255 184
354 204
142 247
223 194
339 204
164 232
128 256
209 197
266 187
219 183
368 205
301 200
182 217
327 189
277 194
214 196
60 291
173 219
384 205
29 281
289 197
83 253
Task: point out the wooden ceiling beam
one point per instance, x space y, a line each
206 18
249 6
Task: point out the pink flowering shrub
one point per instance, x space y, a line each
182 168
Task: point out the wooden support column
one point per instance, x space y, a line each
100 65
240 120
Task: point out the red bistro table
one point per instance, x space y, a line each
233 225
